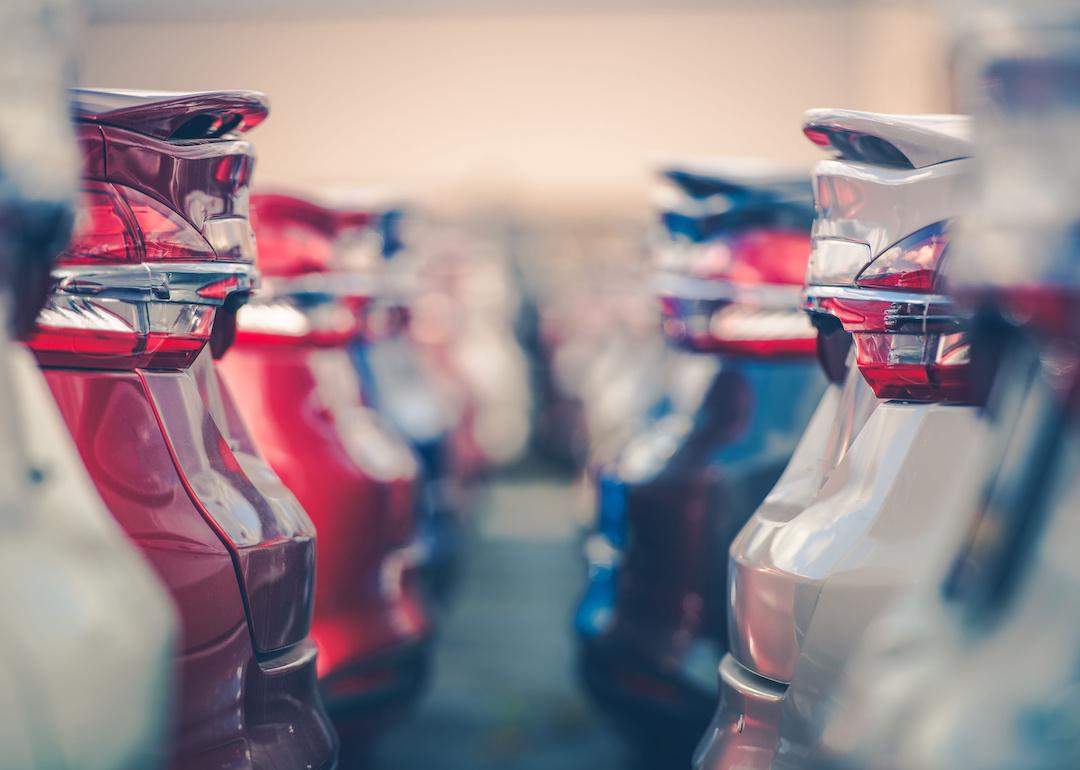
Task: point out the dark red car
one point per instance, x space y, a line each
161 258
300 392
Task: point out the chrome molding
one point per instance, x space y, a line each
178 282
680 286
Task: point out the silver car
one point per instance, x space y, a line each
981 667
868 490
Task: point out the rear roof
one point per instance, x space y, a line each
920 140
172 115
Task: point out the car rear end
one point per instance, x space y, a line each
652 622
298 388
141 299
869 488
979 667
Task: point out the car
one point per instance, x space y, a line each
142 298
464 323
867 492
978 666
72 584
742 382
298 388
404 390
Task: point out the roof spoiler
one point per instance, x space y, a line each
714 198
892 141
737 179
172 115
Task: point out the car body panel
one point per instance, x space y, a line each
113 419
357 479
270 535
835 566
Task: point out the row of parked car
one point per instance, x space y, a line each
234 488
843 533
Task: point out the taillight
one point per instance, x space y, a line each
910 342
117 224
739 295
137 286
319 321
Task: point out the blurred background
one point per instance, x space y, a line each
549 107
530 132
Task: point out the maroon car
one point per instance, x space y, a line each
161 259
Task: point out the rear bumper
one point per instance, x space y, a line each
286 723
744 732
648 694
365 697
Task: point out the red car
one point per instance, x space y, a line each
299 390
161 258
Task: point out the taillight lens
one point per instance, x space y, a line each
292 321
913 263
117 224
910 343
136 287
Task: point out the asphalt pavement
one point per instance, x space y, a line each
504 693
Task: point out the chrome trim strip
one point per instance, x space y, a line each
668 284
331 284
748 684
816 292
177 282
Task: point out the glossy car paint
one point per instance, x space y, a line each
843 531
652 624
978 667
83 613
303 398
172 461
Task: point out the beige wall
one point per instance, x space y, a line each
560 110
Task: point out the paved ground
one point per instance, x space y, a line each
505 694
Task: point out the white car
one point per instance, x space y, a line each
868 489
86 646
980 668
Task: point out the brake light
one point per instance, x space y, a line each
118 224
104 230
288 321
136 287
913 263
910 342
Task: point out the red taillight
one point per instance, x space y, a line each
910 343
105 230
740 295
118 224
286 321
137 286
913 263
